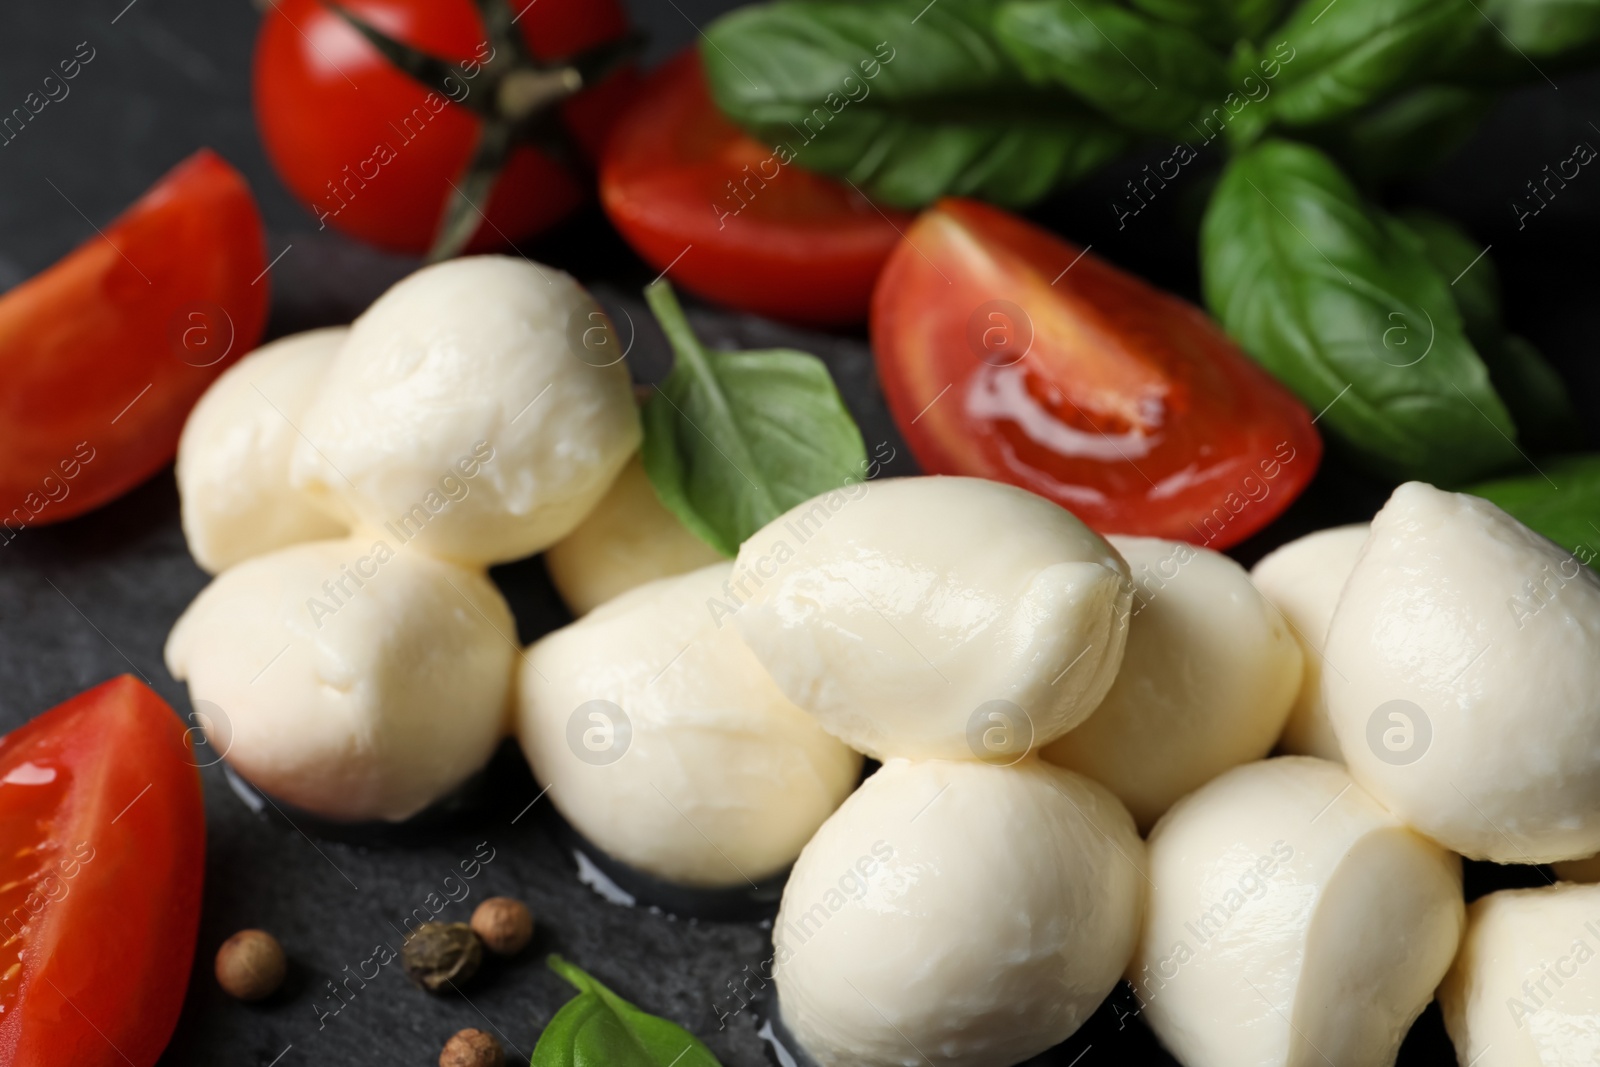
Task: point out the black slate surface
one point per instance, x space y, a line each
94 597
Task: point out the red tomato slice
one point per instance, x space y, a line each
373 153
729 219
102 852
103 355
1007 353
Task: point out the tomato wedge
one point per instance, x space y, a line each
103 355
734 220
1008 353
102 852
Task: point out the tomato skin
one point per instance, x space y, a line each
372 153
136 308
788 244
108 934
1008 353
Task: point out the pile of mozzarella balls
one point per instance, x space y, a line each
1038 697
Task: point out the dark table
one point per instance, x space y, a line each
94 597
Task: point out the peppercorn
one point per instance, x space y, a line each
439 954
505 925
472 1048
251 965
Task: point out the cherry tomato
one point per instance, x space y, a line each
103 355
735 220
102 852
374 153
1007 353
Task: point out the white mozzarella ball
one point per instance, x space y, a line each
630 538
348 679
1207 678
1303 579
909 614
957 914
664 742
1525 988
1294 921
460 412
233 457
1463 679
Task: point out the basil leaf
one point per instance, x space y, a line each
909 101
1342 305
1474 283
1545 27
1349 53
1407 134
597 1028
1563 503
732 440
1222 22
1149 75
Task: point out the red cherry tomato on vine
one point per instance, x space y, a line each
103 355
1007 353
102 853
735 220
373 152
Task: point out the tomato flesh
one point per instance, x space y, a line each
729 220
102 854
373 153
1008 353
103 355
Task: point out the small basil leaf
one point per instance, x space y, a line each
1407 134
910 101
1341 304
1148 75
1474 283
1562 503
597 1028
1545 27
732 440
1222 22
1350 53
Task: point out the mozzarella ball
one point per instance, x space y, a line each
1207 678
233 457
1463 679
1303 579
349 679
910 614
460 413
957 914
1294 921
1525 990
628 539
664 743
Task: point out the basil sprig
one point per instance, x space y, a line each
1342 305
597 1028
732 440
1560 501
909 101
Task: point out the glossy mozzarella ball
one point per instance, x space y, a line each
233 458
1207 678
461 415
934 618
957 914
1294 921
665 743
1525 988
349 679
1303 580
1463 679
628 539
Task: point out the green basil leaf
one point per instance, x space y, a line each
597 1028
1350 53
1463 262
1149 75
732 440
1340 303
909 101
1407 134
1562 503
1545 27
1222 22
